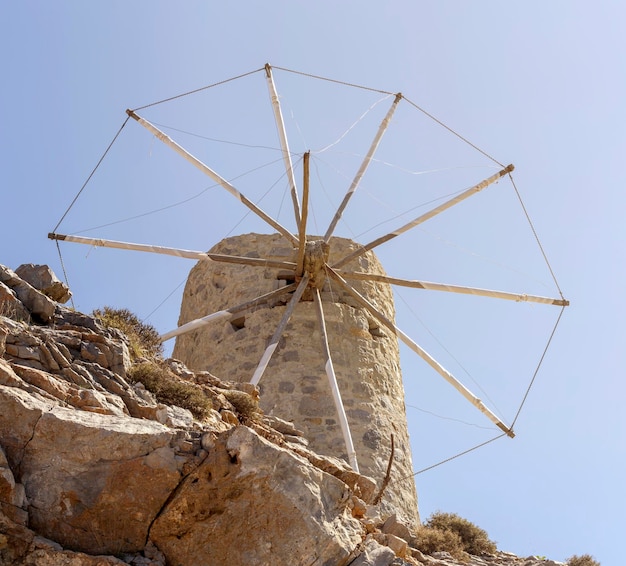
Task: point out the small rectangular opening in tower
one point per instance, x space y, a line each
238 323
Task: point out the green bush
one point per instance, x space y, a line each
144 341
584 560
169 389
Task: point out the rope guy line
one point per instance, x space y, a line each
67 282
543 355
198 90
450 458
532 227
91 174
344 83
453 131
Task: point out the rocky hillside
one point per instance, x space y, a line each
94 470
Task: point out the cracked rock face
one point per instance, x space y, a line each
94 471
92 467
250 489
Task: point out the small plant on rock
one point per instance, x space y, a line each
143 338
584 560
170 389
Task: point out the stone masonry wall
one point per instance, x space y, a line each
295 386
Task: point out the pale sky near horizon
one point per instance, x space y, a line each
537 84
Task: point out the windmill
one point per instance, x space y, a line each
316 273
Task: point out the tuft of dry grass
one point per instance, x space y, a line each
169 389
143 338
245 404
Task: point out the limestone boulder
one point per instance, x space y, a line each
94 482
38 304
252 502
375 554
42 278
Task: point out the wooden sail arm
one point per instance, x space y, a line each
190 254
421 353
334 387
217 178
225 314
305 213
427 216
284 144
518 297
364 165
269 351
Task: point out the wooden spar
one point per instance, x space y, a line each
448 204
334 387
284 144
421 353
208 171
364 165
518 297
228 313
267 355
305 212
190 254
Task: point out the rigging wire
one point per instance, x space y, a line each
228 142
445 461
351 127
282 176
67 282
177 203
450 458
532 227
543 355
165 299
417 206
445 349
426 113
448 418
91 174
453 132
198 89
344 83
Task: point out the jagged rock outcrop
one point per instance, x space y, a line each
95 471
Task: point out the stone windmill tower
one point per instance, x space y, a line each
294 386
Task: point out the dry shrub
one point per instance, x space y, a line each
143 338
447 532
584 560
169 389
474 539
429 540
245 404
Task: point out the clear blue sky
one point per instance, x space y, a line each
538 84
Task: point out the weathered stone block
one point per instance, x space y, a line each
42 278
252 502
